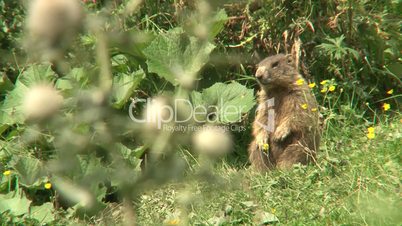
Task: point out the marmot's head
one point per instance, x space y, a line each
277 71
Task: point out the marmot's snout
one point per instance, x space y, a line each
262 75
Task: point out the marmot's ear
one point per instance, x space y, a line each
289 59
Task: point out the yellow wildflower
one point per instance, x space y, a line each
323 90
304 106
7 172
273 210
48 185
370 135
173 222
300 82
313 109
391 91
323 82
265 147
331 88
311 85
386 106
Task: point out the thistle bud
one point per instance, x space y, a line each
41 101
51 24
157 112
212 140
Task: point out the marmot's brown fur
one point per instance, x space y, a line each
286 128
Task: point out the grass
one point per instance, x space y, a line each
356 182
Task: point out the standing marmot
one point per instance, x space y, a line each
286 128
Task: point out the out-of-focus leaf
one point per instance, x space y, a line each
120 62
29 170
17 204
175 54
131 42
124 85
76 78
132 156
44 213
218 23
227 101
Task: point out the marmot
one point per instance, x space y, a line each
286 127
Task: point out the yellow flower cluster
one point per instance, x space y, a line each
265 147
305 107
300 82
48 185
323 82
386 106
327 85
7 173
370 133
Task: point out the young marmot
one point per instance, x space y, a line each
286 128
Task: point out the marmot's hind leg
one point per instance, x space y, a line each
293 154
259 158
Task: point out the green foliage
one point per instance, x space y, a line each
336 50
89 160
225 103
44 213
175 56
15 203
353 185
29 170
123 87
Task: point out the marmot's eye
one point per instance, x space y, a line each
274 65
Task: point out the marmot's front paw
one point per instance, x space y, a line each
281 132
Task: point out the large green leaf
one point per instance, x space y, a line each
76 78
226 102
124 85
132 156
16 203
218 23
44 213
30 170
12 106
175 54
